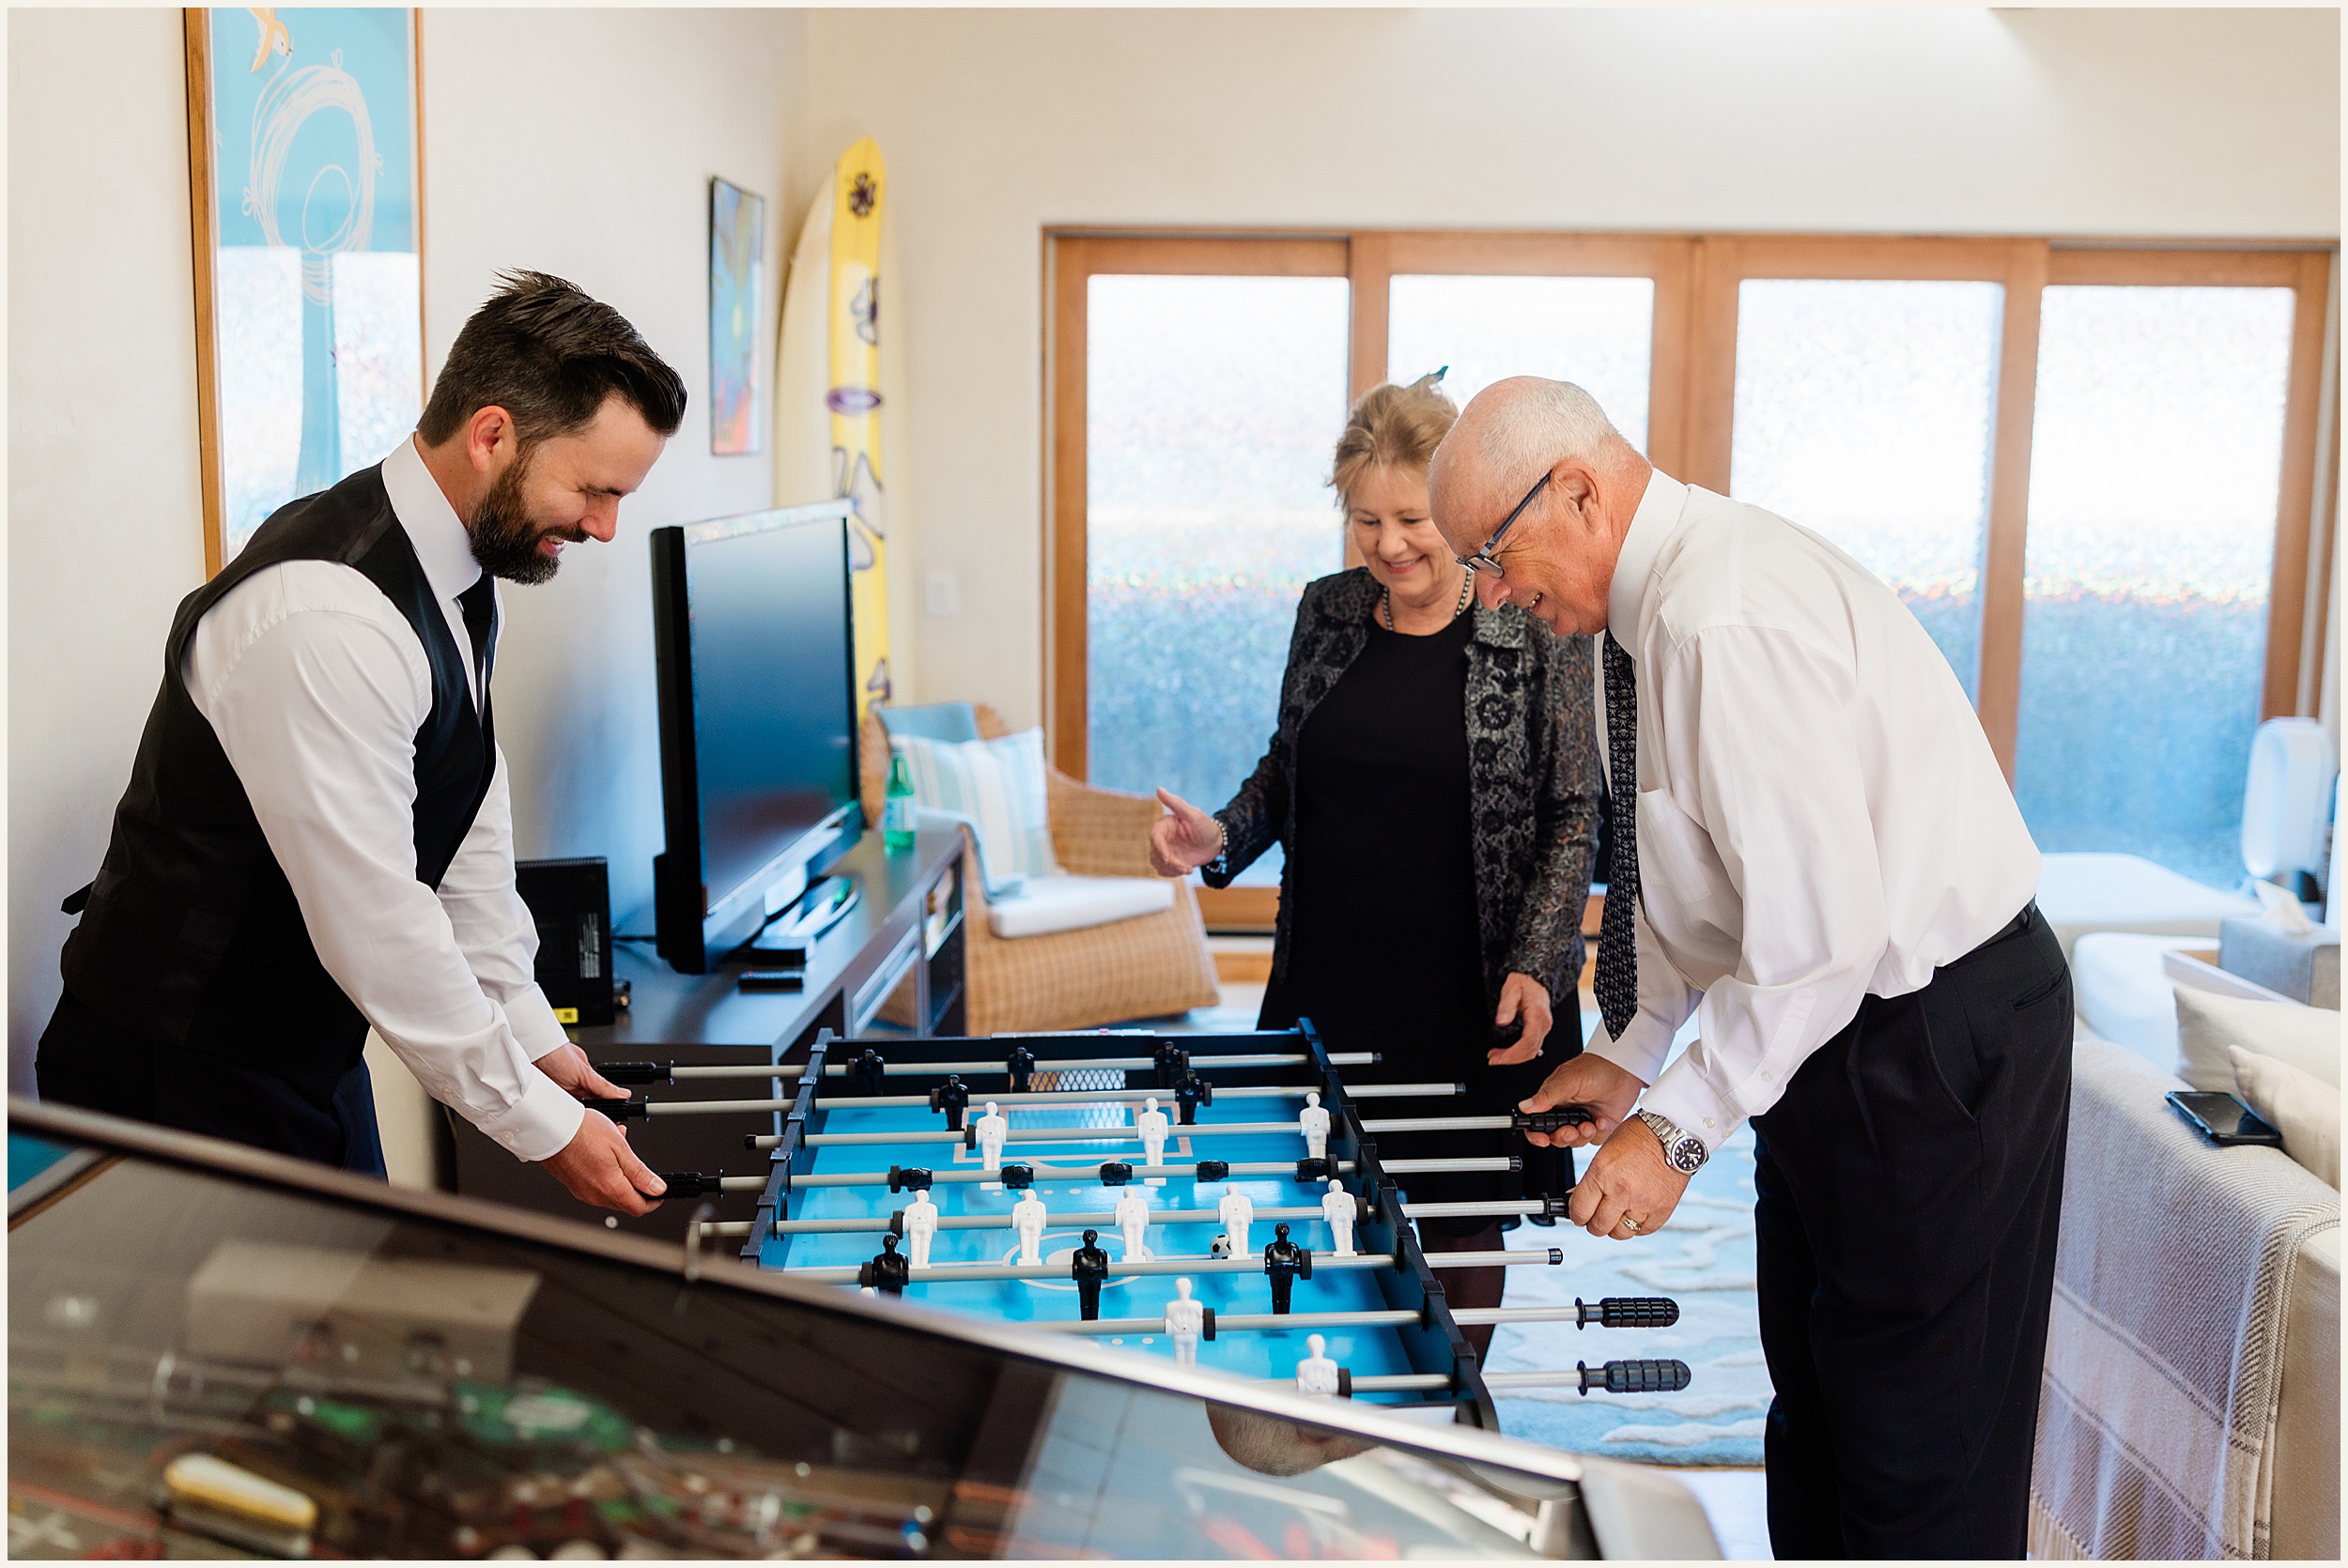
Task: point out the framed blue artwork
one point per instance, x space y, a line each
738 282
307 183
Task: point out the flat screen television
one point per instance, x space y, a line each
758 768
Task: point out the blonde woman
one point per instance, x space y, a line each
1434 782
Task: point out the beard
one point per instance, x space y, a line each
505 542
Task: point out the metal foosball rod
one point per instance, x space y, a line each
1023 1175
949 1273
677 1073
1372 1319
874 1224
645 1109
896 1178
656 1072
1118 1134
1630 1377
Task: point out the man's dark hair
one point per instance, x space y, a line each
548 353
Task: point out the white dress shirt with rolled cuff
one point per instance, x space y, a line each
316 685
1820 816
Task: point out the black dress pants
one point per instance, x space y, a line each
1909 1186
86 1061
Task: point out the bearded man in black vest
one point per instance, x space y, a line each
317 835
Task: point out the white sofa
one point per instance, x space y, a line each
2083 893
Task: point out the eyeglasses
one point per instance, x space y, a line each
1482 560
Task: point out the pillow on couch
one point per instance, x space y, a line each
2208 1025
2299 1106
998 785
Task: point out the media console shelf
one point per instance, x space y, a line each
906 924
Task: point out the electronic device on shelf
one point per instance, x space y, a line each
757 699
570 903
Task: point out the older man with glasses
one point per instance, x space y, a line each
1815 853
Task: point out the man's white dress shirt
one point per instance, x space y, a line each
316 685
1819 816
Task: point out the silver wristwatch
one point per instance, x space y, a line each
1685 1151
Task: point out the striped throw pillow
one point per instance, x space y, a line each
997 784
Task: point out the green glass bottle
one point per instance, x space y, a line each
897 814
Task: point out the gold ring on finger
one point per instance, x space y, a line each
1629 1224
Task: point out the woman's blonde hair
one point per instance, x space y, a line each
1392 427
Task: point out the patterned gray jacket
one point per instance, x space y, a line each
1533 777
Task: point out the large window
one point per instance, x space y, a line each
1207 512
1863 411
2155 472
2091 473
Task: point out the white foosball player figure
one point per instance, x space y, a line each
1237 1211
1151 1124
921 1224
992 1129
1184 1321
1315 1122
1317 1374
1339 1207
1132 1218
1028 1218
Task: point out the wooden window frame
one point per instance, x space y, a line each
1693 391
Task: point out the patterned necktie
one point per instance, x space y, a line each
480 606
1617 978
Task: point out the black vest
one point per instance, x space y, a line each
192 937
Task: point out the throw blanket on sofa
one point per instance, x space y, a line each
2164 1361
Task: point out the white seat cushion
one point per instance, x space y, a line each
2122 990
1048 904
2083 893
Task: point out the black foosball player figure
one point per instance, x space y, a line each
1088 1268
953 1098
888 1273
1286 1263
1190 1094
1019 1066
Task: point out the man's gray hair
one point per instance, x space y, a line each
1543 422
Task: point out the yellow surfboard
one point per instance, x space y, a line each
830 413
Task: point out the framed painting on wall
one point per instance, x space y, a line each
305 169
737 284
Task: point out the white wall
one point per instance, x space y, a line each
581 142
576 142
996 124
105 520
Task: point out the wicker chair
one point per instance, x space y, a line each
1144 967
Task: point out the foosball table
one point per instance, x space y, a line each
1217 1199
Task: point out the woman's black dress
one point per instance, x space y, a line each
1382 942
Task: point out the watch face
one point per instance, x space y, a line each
1688 1155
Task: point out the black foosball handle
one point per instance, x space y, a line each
637 1072
688 1184
622 1110
1627 1312
1550 1121
1641 1377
